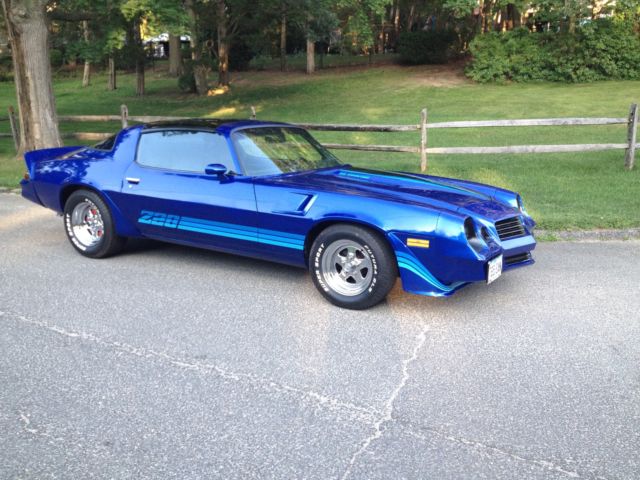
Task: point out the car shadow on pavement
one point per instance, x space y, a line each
147 247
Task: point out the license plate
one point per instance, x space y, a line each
494 269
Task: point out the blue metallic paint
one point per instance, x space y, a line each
273 217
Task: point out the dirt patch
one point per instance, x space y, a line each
450 75
421 75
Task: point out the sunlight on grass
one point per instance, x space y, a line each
222 112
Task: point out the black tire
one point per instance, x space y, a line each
100 239
361 282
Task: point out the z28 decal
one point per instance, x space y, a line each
220 229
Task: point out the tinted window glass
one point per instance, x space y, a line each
183 150
273 150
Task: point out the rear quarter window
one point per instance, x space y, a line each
106 144
183 150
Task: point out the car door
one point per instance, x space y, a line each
168 195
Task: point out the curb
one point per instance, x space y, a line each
541 235
589 235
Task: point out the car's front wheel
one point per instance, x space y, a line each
351 266
89 225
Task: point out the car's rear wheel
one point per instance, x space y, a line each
89 225
353 267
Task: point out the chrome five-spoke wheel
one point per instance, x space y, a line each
86 224
89 225
347 267
352 266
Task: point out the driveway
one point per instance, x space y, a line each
170 362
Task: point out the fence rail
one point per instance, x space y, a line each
422 127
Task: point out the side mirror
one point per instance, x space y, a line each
215 169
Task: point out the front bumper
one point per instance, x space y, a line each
441 273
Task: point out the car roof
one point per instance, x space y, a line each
224 126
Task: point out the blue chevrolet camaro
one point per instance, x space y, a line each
270 191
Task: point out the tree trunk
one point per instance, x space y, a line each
571 14
396 23
223 46
311 56
199 71
86 74
175 55
140 77
411 17
283 42
28 34
137 38
112 74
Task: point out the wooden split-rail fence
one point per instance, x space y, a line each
422 127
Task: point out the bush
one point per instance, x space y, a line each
431 47
56 58
240 56
6 69
598 50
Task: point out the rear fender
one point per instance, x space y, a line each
34 156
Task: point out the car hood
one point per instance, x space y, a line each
432 192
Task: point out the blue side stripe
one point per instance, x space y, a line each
403 178
228 230
218 224
254 236
276 233
410 263
238 231
268 241
217 233
275 238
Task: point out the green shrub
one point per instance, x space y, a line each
240 56
598 50
431 47
6 69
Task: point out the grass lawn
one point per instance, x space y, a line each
562 191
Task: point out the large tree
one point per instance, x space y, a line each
28 33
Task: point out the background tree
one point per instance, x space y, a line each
29 38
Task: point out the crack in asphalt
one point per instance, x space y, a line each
387 415
492 449
26 425
377 419
355 412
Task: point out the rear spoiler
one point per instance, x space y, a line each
34 156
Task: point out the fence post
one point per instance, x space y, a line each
124 115
15 129
630 156
423 140
253 113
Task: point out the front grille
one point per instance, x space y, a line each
510 228
521 257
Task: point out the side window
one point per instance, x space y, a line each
183 150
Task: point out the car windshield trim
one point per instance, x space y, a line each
269 150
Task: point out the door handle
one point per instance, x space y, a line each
132 180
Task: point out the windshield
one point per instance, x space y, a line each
273 150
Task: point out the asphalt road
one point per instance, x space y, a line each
169 362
